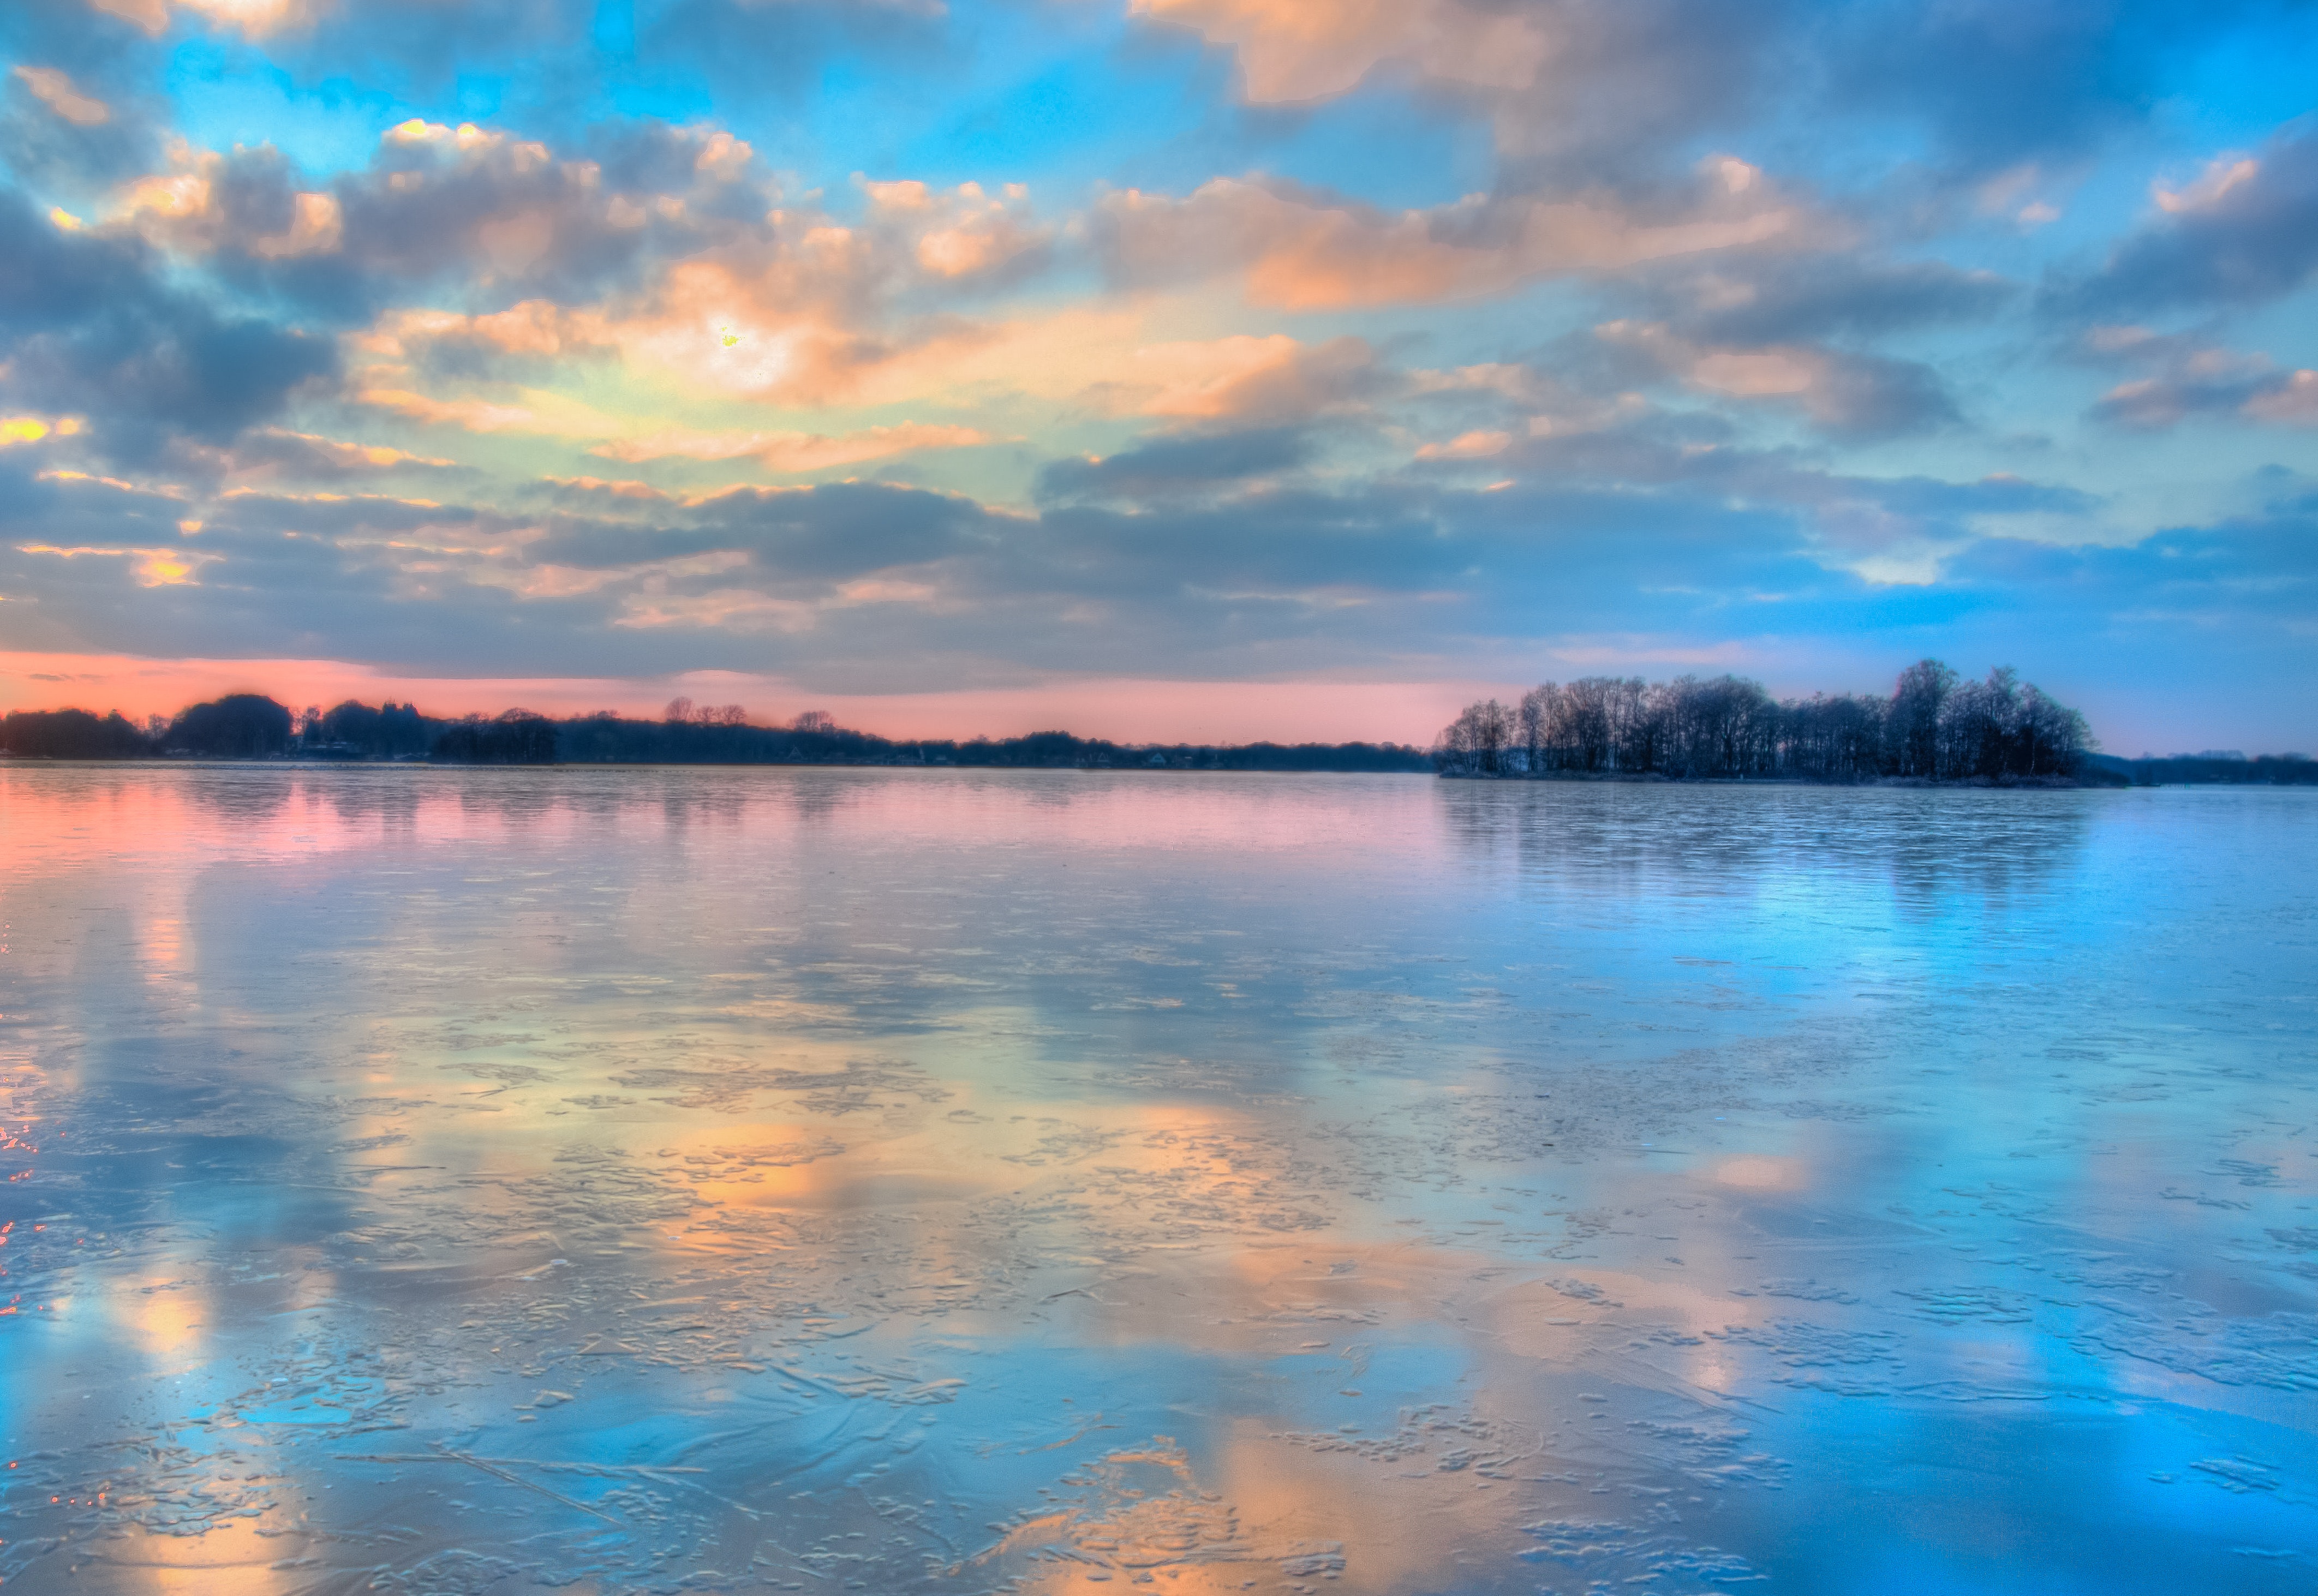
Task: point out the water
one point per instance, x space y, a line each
500 1181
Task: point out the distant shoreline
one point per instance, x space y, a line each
1660 778
2102 772
1935 729
250 726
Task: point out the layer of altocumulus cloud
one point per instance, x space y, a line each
1799 341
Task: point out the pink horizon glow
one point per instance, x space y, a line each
1123 710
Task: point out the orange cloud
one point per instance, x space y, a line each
155 568
1241 377
1834 388
473 414
55 90
2212 186
31 429
1777 369
1294 51
794 451
1304 252
182 208
2295 402
340 453
1477 444
959 233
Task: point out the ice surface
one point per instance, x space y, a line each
500 1182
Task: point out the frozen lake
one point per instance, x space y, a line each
492 1181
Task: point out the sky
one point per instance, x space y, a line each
1165 369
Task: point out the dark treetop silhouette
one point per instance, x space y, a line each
1934 727
246 726
1931 728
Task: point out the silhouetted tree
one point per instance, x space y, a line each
2052 738
1535 721
1913 725
70 734
1932 727
239 726
1478 740
391 732
517 736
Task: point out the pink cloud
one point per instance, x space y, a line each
1303 251
57 91
794 451
1292 50
1243 377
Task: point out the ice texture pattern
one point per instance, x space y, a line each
502 1181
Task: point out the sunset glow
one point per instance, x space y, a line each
1302 368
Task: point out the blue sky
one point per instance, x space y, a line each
966 366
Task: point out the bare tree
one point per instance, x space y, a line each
678 710
1914 724
1588 723
2053 737
1933 726
1535 724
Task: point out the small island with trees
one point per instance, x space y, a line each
1935 727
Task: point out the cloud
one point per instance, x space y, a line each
1493 403
1851 296
794 451
89 325
963 234
2238 585
75 115
170 565
2183 377
1631 533
1290 51
1843 392
255 18
1302 250
308 456
1240 378
494 216
1262 418
1575 89
55 90
1171 466
761 300
31 429
2244 232
476 415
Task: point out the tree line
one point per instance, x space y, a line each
251 726
2210 769
1935 727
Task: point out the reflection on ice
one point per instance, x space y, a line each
492 1181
